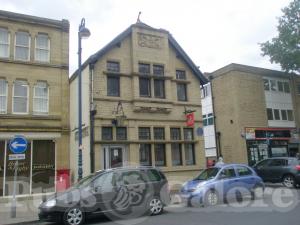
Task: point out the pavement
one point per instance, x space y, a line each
278 206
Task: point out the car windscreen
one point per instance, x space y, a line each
84 181
208 174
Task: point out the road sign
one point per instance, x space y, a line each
18 145
16 156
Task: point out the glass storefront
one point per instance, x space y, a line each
36 173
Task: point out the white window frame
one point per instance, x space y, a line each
6 95
36 48
27 105
8 43
23 46
35 97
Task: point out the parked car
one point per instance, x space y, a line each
220 183
279 169
118 193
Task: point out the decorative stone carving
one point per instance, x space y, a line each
149 41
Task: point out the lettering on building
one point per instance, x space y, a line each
149 41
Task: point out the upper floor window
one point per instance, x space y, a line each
158 70
3 96
107 133
159 88
113 86
181 92
276 85
188 134
144 133
42 48
283 86
113 66
144 68
41 98
180 75
20 97
205 91
145 87
159 133
208 119
22 46
175 133
270 114
4 43
121 133
283 114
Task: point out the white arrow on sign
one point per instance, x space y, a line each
16 144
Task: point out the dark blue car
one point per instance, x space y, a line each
221 183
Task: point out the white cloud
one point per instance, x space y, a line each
213 33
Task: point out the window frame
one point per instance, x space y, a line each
111 133
35 97
161 136
118 137
6 96
149 87
22 46
27 98
139 133
275 115
164 155
270 110
185 97
161 89
185 137
178 148
43 49
148 155
6 44
155 70
109 78
113 62
179 73
193 154
144 64
171 133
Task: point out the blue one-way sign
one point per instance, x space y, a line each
18 145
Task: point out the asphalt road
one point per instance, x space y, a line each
278 207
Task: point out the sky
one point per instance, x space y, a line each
214 33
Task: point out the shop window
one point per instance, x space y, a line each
23 175
283 114
266 85
42 48
189 154
181 92
145 87
2 154
41 98
160 154
276 114
145 155
159 88
144 68
158 70
176 154
113 86
188 134
180 75
4 43
279 151
159 133
20 97
107 133
290 115
22 46
43 166
112 66
144 133
121 133
270 114
3 95
175 134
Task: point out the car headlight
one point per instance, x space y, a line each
200 185
50 203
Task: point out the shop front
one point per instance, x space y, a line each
35 174
265 143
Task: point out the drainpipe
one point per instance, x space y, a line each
93 112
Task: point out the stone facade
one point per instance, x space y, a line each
53 123
142 44
240 102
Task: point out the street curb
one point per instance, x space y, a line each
23 223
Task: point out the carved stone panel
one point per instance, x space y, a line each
149 41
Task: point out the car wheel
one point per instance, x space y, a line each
211 198
155 206
74 216
289 181
257 192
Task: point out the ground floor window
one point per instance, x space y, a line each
36 174
145 155
160 154
176 154
189 154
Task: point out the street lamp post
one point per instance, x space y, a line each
83 32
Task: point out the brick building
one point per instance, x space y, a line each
34 100
135 92
257 113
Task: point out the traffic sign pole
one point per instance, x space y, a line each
14 202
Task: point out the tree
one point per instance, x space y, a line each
285 48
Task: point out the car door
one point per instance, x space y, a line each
246 179
104 191
227 181
261 169
276 169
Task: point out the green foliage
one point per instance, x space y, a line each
285 48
